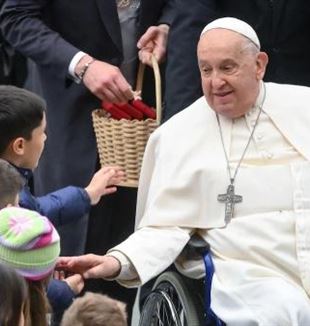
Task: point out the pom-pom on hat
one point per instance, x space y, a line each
28 242
235 25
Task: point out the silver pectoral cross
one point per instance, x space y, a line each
230 199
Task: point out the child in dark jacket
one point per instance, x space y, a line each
22 138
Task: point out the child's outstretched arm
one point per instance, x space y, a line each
103 182
67 204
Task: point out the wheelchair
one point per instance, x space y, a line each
176 300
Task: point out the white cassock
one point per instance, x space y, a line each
262 257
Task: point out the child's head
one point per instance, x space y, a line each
30 244
10 184
13 298
22 126
96 310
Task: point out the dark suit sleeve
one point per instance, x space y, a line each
168 12
22 26
183 84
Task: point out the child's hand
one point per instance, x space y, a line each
75 282
102 181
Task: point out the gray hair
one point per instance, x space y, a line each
249 46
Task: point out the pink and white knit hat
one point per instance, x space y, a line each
28 242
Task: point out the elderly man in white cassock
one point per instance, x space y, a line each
234 167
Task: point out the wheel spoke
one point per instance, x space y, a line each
170 305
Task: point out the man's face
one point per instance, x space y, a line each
230 72
34 147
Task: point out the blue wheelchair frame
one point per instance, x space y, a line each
196 247
210 316
201 247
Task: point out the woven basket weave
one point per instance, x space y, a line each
122 142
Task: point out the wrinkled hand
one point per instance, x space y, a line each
105 81
153 41
102 181
90 265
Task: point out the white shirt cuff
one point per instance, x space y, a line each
128 272
73 64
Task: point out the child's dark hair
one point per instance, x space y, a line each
21 111
11 183
14 298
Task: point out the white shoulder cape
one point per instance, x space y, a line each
184 166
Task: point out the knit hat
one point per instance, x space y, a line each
28 242
235 25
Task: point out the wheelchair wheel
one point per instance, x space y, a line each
174 301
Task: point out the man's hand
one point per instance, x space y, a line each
153 41
90 265
102 181
105 81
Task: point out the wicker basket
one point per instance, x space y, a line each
122 142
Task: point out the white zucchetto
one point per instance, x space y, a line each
236 25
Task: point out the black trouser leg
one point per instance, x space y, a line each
111 222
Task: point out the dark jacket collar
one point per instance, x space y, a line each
26 173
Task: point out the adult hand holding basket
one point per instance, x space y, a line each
122 142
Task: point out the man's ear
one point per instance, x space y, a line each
261 64
18 146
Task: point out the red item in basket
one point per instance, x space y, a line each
129 109
115 112
145 109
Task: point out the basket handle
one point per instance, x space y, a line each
157 85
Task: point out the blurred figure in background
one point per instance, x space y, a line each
13 66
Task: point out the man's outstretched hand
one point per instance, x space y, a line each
90 265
